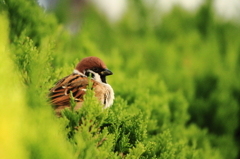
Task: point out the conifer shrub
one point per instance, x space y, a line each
176 85
26 17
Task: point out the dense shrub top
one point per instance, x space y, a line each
176 80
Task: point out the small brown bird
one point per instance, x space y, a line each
77 82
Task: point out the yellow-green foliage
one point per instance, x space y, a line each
176 81
12 95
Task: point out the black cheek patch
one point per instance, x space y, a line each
88 74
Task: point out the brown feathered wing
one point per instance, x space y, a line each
60 94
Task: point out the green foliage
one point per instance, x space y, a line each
28 17
176 81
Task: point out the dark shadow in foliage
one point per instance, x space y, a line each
205 18
222 41
205 86
202 111
236 95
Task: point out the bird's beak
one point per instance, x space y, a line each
106 72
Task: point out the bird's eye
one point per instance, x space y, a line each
95 69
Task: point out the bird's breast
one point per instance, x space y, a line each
105 94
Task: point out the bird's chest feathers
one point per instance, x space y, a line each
105 94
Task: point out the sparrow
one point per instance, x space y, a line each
78 81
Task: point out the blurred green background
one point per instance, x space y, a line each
176 81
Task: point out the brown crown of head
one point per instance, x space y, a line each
89 63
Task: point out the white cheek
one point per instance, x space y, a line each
96 76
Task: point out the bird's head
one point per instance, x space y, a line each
95 67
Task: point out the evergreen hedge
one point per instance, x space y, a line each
176 80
